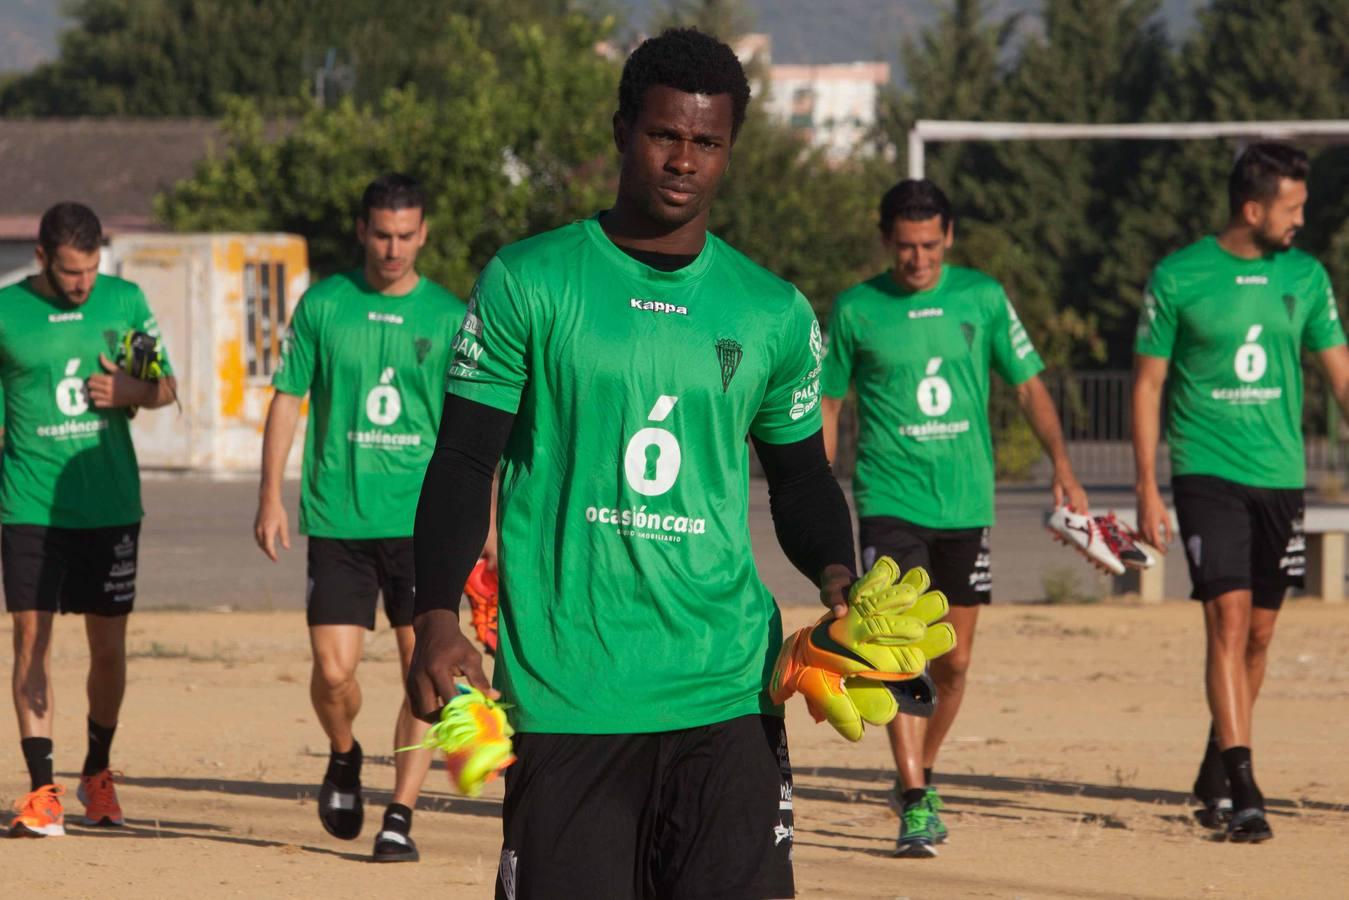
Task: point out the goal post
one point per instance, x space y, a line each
926 131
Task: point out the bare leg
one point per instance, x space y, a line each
410 768
914 741
333 687
1257 648
31 683
1227 621
107 667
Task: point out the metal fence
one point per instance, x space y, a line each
1098 425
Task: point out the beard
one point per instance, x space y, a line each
1270 244
60 292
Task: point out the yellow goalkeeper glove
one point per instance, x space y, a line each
887 635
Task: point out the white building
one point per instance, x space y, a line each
831 106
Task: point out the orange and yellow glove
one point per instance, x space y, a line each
475 737
888 634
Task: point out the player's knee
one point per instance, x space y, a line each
1258 641
332 675
106 657
949 671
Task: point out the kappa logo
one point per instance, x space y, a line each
657 306
932 312
729 354
66 317
1252 279
386 318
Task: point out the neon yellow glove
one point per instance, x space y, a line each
475 737
887 635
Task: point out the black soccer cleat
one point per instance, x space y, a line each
342 812
1249 826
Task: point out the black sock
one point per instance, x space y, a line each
927 777
344 769
100 745
1240 774
914 795
37 753
398 818
1211 782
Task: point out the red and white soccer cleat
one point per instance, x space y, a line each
1124 542
1083 534
481 589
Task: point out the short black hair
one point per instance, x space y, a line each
914 200
393 191
688 60
1259 170
69 225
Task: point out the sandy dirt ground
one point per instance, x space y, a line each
1066 775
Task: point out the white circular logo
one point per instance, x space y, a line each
383 405
651 462
1251 362
72 398
934 396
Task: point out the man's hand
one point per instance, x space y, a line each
118 389
1067 488
441 654
1154 522
834 584
271 523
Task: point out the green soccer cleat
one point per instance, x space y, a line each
917 837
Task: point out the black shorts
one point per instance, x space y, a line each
1241 538
346 579
956 558
697 813
70 570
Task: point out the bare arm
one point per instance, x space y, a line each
115 388
1154 523
1039 410
829 409
277 437
1335 363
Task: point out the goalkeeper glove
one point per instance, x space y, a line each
887 635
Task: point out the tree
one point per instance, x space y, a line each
500 157
168 58
188 57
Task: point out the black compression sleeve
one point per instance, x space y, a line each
810 513
456 502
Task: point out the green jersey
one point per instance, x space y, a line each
921 363
629 597
1233 330
67 464
374 366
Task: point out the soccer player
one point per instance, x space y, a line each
70 498
918 340
1223 325
371 348
619 363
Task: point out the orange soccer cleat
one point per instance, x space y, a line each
39 813
99 796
